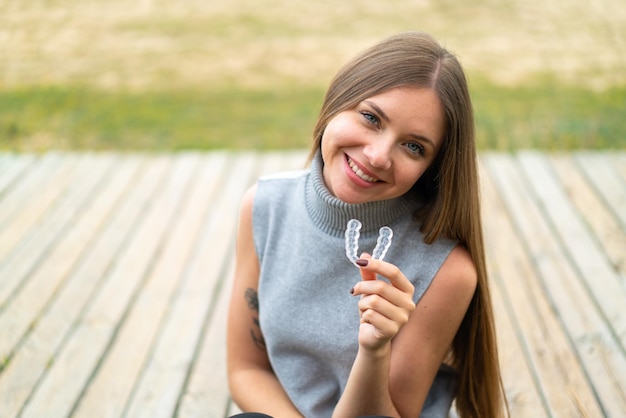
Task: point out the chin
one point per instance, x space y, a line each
348 197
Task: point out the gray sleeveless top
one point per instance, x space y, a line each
308 317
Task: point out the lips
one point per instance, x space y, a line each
359 173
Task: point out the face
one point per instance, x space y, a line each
380 148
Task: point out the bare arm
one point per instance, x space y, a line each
401 349
252 383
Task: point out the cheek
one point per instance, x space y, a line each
332 133
409 177
339 130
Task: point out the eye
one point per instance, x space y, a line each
415 148
371 118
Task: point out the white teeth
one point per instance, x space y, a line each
360 173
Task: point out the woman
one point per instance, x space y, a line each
309 334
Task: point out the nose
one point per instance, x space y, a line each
378 153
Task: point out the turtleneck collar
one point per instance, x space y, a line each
331 214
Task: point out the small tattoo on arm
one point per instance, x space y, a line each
252 299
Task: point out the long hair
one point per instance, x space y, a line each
449 187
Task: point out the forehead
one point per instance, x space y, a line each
408 96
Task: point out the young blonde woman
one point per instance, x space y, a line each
312 333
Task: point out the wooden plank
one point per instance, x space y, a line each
206 394
35 181
584 252
56 328
29 203
24 308
618 160
110 387
162 383
114 384
68 377
41 237
14 167
596 274
518 356
561 380
589 334
28 185
607 181
40 345
597 216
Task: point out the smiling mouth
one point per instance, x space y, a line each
360 174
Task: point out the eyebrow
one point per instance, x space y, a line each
386 118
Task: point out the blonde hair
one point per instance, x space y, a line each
449 187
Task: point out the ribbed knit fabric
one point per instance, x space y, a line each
308 317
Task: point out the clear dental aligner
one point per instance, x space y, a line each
352 241
384 242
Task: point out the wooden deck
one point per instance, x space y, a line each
115 269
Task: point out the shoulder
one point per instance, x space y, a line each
276 181
284 176
274 185
460 264
247 201
452 289
273 193
457 278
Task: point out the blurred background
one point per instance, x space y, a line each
250 74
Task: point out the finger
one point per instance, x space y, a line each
384 327
384 290
365 274
398 313
396 277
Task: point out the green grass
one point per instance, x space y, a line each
549 116
77 118
544 115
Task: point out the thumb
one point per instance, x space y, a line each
365 274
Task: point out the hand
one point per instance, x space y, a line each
384 307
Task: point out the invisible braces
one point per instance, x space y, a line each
384 242
352 241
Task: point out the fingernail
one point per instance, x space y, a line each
352 291
362 262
